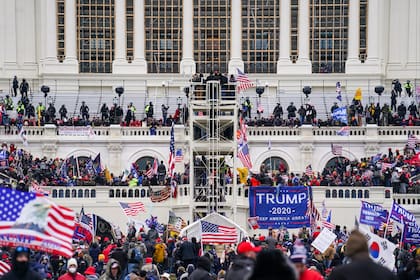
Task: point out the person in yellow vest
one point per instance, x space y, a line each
40 112
20 109
408 88
133 111
133 182
8 102
159 254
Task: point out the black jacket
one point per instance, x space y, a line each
241 268
363 269
29 275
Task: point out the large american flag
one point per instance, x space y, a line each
213 233
152 170
243 80
132 209
4 268
160 195
171 163
31 220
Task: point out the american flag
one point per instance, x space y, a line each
309 170
39 223
386 165
243 149
213 233
153 170
327 222
313 211
344 131
161 195
175 223
86 218
132 209
179 156
243 80
336 149
411 141
36 188
4 268
171 163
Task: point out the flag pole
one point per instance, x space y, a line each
402 231
387 221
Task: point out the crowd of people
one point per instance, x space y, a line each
394 169
154 255
357 114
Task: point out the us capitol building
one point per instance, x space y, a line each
84 49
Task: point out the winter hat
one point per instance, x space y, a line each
101 257
299 253
165 276
90 270
71 262
245 247
149 260
356 244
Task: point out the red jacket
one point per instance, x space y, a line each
309 274
68 276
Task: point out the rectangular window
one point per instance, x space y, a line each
363 30
60 30
260 35
129 7
328 35
95 35
212 34
294 30
163 21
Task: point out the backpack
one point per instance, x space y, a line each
136 254
152 274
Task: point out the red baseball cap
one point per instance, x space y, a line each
245 247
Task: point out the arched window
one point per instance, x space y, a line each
275 164
144 161
335 161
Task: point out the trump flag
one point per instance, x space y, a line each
33 221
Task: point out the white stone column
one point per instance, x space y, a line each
284 61
236 37
187 63
373 63
303 59
9 41
48 43
51 31
139 61
353 63
70 37
120 40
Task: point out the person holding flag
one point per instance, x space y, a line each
361 266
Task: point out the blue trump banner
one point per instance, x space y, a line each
281 206
373 214
340 114
411 230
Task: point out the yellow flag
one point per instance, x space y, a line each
358 94
243 174
107 175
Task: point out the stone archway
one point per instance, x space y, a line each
273 164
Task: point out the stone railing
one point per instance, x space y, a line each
114 192
371 131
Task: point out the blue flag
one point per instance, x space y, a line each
373 214
340 114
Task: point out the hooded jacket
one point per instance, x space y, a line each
241 268
107 275
19 272
203 270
